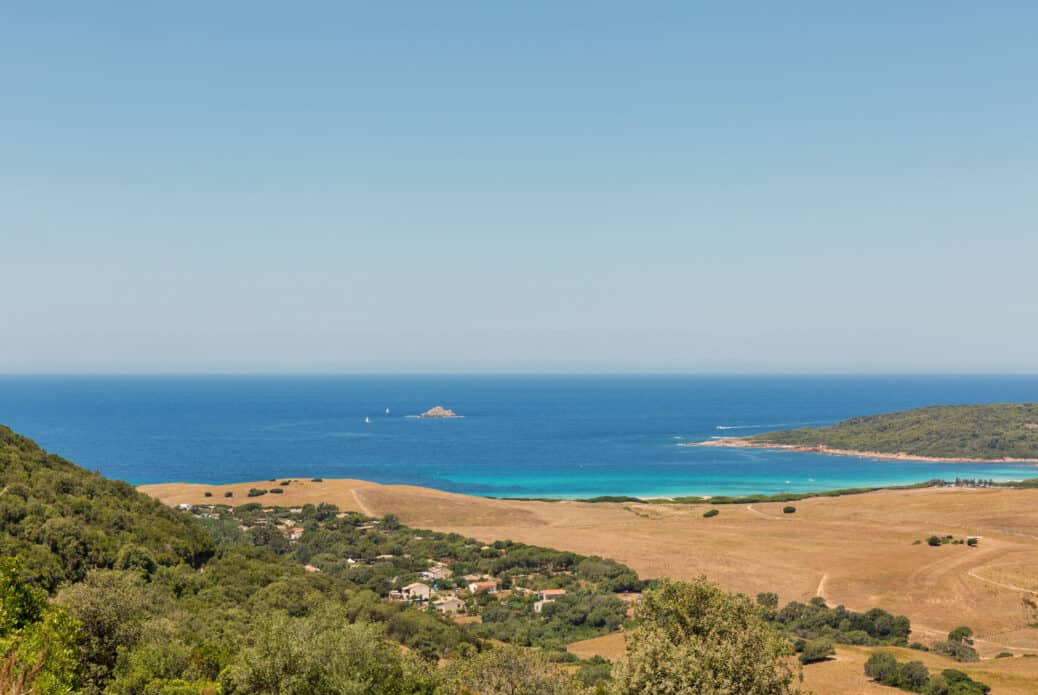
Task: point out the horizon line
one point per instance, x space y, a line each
491 373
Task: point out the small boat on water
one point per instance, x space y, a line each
387 411
367 420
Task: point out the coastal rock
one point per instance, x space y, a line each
439 411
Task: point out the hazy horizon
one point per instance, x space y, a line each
518 189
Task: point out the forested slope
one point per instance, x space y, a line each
991 431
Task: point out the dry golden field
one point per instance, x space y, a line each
856 550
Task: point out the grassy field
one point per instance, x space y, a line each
859 550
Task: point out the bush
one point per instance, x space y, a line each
277 491
709 513
881 667
256 492
912 675
316 480
816 650
228 494
285 482
919 646
208 494
933 541
1004 655
789 509
972 542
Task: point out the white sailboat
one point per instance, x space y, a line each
367 420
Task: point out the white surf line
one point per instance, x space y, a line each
1011 587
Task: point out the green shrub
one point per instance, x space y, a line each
972 542
933 541
710 512
881 667
285 482
789 509
228 494
208 494
1004 655
816 650
912 675
256 492
277 491
316 480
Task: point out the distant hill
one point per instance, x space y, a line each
985 432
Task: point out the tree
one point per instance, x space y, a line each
110 605
510 671
323 655
958 646
20 603
816 650
881 667
695 638
913 675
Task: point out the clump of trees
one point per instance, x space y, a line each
710 512
913 676
815 620
958 646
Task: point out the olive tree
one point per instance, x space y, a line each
696 638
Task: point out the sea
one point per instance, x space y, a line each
520 436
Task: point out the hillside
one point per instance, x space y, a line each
984 432
65 520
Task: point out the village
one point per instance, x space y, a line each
506 591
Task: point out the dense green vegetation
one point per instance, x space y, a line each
913 676
991 431
817 621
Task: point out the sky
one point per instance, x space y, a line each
363 187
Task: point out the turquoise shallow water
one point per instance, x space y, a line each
521 436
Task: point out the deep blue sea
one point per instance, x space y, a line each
523 436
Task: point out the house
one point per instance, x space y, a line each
416 592
435 573
547 596
487 587
294 533
550 594
450 605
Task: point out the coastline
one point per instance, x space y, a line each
742 443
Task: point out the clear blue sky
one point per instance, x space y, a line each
542 186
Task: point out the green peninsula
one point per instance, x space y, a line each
989 432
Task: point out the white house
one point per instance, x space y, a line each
450 605
416 592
